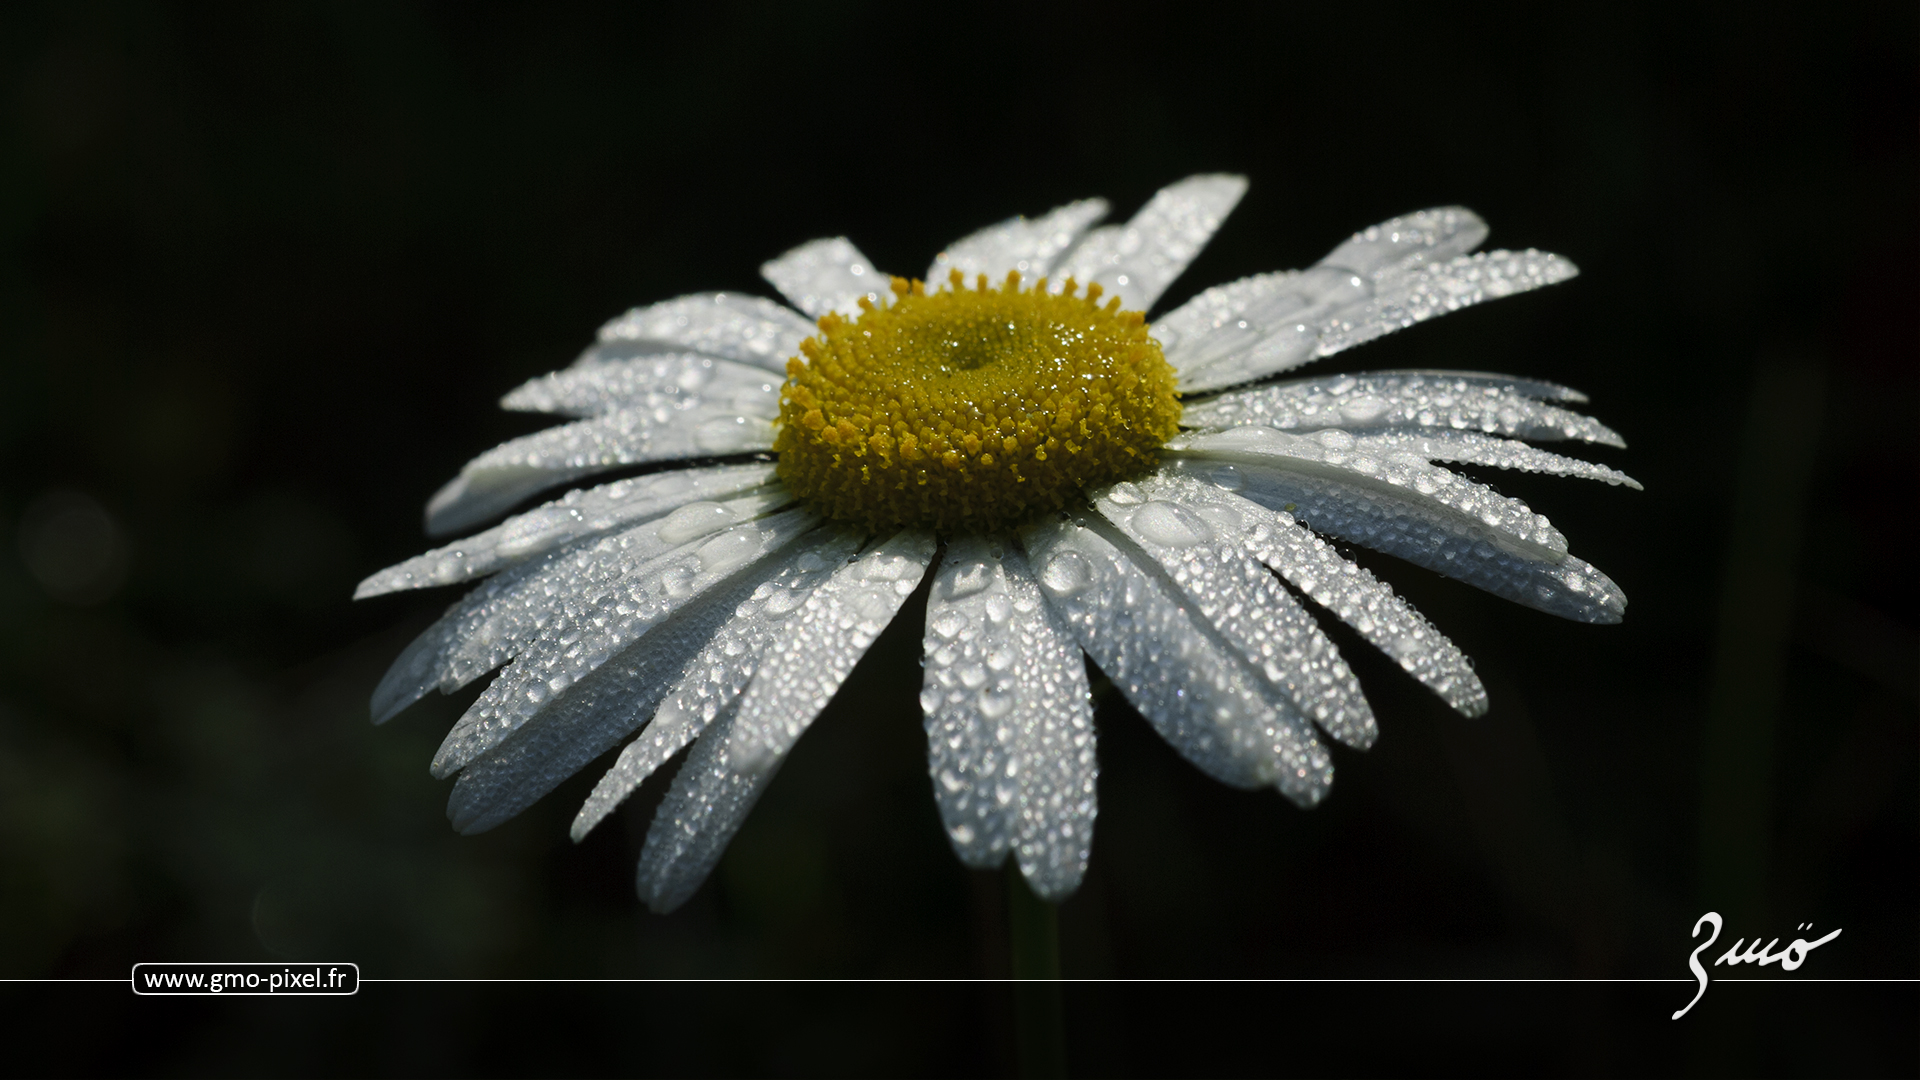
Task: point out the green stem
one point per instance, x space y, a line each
1038 1021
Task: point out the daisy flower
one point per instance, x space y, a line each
1071 478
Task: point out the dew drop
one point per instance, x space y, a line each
725 434
1363 408
873 605
528 532
999 607
693 520
1225 520
1067 573
728 550
1170 525
678 582
970 579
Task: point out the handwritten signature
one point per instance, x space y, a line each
1789 958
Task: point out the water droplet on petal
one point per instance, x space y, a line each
1066 574
678 582
1170 525
873 605
723 435
970 579
1225 520
728 550
692 520
1362 408
999 607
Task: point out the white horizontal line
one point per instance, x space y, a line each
1148 982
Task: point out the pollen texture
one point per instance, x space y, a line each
972 408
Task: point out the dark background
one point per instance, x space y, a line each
265 269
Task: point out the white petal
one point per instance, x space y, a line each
1196 692
1423 400
504 475
705 806
1059 771
713 680
1415 511
1473 448
1351 593
735 760
967 755
670 381
1334 457
580 514
1255 326
1138 260
1201 539
1410 240
735 326
826 275
491 624
1009 725
1028 246
1263 325
1403 300
597 711
594 612
601 710
820 645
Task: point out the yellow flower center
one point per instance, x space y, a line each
972 409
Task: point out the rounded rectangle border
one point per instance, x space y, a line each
337 979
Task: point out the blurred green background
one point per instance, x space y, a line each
265 270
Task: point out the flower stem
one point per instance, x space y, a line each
1039 1025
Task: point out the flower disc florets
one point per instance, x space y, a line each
972 408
